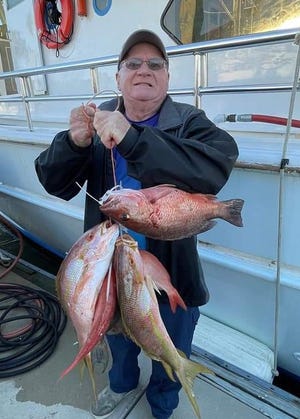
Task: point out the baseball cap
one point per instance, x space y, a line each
138 37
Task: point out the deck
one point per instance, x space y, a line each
39 394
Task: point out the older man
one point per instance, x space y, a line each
155 140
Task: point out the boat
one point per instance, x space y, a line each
239 61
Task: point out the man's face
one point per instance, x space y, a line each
143 84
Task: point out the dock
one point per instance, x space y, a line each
40 394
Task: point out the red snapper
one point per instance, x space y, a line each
166 213
141 317
81 275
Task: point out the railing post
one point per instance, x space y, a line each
94 80
26 92
200 75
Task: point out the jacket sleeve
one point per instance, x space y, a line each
196 157
61 165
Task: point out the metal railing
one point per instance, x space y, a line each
200 52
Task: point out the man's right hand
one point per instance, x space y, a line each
81 125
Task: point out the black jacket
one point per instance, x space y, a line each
186 150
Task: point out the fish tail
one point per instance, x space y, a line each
187 375
168 370
68 369
89 365
175 300
232 211
81 354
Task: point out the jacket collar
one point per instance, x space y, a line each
169 117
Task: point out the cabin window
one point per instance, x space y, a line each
188 21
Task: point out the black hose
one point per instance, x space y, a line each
19 236
29 346
24 347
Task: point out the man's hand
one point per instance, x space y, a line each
81 125
111 127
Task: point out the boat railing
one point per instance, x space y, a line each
200 51
200 87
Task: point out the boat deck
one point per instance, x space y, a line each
39 394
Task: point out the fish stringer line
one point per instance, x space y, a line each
101 92
103 198
100 201
113 163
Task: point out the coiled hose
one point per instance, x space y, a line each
19 236
31 322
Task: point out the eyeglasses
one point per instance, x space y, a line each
154 64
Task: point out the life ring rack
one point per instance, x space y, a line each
64 28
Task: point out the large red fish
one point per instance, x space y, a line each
166 213
104 314
81 275
141 317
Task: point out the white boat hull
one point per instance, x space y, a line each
253 273
240 271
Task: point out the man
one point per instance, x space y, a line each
154 140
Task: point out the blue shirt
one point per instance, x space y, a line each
129 182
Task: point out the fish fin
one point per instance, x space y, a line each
232 211
202 368
175 300
150 283
82 366
89 365
169 371
82 354
154 193
161 278
207 225
181 353
69 368
187 375
109 279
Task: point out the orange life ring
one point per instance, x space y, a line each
65 29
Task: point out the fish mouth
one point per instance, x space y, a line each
108 194
117 215
111 203
127 240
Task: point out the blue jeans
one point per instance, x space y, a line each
162 393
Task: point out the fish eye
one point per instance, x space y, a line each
124 217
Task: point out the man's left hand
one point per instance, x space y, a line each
111 127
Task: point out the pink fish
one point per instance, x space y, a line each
81 275
141 317
166 213
104 315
